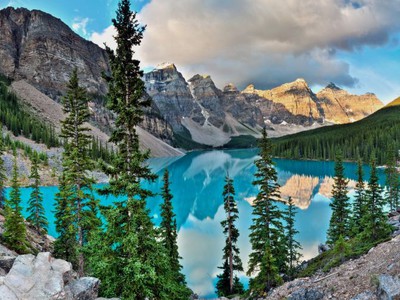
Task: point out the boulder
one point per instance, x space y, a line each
44 277
367 295
388 287
85 288
323 248
306 294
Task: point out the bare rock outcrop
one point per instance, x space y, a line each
44 277
342 107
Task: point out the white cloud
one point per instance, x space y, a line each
107 37
264 41
80 24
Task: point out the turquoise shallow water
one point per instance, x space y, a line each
197 182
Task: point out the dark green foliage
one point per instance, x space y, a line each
224 283
76 163
65 246
232 261
241 141
20 122
392 179
359 203
35 208
127 257
169 235
339 224
375 133
292 245
268 255
14 234
374 220
3 176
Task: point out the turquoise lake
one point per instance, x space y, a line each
197 182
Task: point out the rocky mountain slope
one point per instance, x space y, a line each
51 112
341 107
41 50
373 276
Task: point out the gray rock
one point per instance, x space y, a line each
306 294
388 287
45 278
367 295
85 288
7 294
323 248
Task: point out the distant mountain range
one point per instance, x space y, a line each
42 51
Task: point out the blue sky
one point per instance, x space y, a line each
353 43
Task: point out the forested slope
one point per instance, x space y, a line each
376 133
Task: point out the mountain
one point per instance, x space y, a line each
42 51
39 52
341 107
297 98
377 133
198 110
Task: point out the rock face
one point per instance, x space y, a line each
297 98
389 287
198 108
43 277
41 49
341 107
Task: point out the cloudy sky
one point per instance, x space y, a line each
353 43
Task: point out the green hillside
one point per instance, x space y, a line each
376 132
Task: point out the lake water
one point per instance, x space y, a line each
197 182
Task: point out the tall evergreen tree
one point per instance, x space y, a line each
169 235
232 261
374 220
3 176
293 246
359 204
266 234
392 179
127 257
77 162
35 209
339 223
14 227
65 246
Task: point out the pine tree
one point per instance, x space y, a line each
65 246
339 223
292 245
14 227
169 235
359 204
374 220
266 237
35 209
232 261
224 282
127 257
3 176
392 179
76 164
